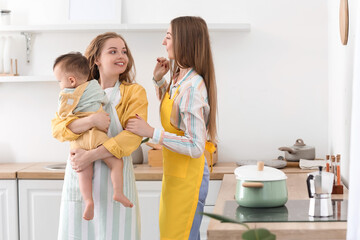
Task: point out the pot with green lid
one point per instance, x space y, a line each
259 186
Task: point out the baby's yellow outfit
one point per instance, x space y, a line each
82 101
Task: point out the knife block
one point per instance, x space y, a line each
337 189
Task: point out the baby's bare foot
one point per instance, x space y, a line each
89 211
123 200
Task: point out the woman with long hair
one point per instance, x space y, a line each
188 116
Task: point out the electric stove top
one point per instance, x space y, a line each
292 211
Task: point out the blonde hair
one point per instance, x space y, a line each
192 48
93 52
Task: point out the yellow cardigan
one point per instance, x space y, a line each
133 101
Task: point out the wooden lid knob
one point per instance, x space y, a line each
260 165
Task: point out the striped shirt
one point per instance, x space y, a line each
190 113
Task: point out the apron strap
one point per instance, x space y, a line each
113 129
80 89
210 147
185 77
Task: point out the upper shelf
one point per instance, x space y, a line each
232 27
23 79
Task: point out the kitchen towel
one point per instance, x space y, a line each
311 164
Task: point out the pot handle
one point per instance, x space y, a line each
253 184
309 178
260 165
287 149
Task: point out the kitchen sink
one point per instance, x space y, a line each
60 166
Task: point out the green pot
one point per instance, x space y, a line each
260 188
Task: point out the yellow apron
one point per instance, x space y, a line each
181 183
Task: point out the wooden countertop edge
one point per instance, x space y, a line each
8 171
143 172
289 234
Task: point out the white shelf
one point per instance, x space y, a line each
233 27
18 79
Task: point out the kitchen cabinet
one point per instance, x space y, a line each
40 196
8 209
149 199
39 208
39 203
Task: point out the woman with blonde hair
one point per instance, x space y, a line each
111 63
188 116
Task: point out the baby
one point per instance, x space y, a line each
81 98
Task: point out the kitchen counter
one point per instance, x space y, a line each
283 230
9 170
38 171
143 172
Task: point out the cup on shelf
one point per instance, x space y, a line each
6 54
5 17
2 44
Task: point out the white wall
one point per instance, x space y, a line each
272 82
341 67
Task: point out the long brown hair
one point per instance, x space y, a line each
93 52
192 48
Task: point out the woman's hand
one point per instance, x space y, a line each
161 68
100 120
139 127
80 159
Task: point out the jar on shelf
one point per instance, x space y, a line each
5 17
7 55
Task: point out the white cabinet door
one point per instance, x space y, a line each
149 200
39 208
8 210
214 188
205 223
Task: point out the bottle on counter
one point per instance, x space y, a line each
333 165
338 176
328 163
